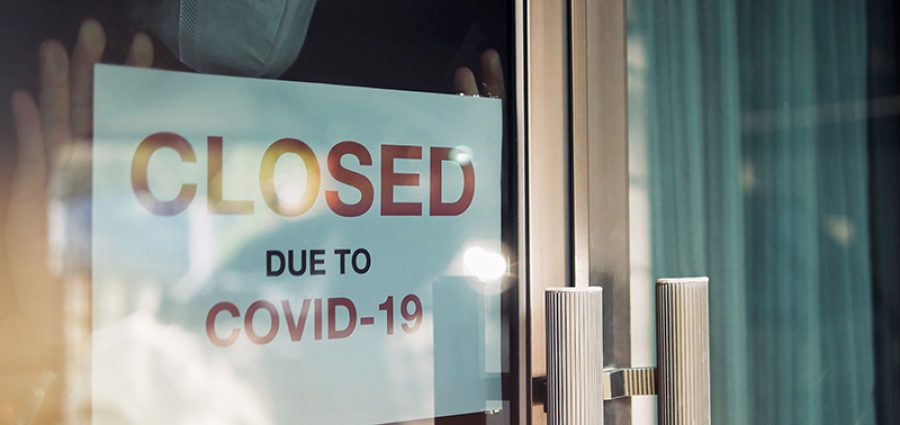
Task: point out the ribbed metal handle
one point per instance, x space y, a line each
682 333
574 356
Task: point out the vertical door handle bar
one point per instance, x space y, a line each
682 350
574 356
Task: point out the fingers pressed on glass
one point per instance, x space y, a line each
492 74
30 138
464 82
26 224
88 51
140 53
54 93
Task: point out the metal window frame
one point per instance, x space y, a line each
574 174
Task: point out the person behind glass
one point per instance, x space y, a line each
54 129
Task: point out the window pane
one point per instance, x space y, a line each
753 162
153 224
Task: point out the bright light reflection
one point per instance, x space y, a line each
290 179
461 155
485 265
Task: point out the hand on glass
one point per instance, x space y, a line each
492 77
53 136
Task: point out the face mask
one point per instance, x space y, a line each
254 38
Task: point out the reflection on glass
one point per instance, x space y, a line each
485 265
105 309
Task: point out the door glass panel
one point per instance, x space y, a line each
186 240
759 133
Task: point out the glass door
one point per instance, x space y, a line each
261 212
760 150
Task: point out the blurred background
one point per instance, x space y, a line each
763 143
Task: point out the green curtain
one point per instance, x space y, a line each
752 116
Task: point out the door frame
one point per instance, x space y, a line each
574 118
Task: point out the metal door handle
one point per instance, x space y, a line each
574 356
576 382
682 350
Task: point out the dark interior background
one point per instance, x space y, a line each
884 193
397 44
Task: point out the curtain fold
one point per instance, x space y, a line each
755 137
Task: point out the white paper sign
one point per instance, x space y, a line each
292 253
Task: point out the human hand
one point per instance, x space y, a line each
53 162
53 154
492 77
